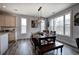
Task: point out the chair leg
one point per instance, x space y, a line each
53 52
56 51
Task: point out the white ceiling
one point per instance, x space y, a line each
31 9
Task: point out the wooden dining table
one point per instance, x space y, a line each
50 46
45 38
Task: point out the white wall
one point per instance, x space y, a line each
74 29
29 29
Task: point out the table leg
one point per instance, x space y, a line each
61 50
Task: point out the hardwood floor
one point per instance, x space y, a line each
24 47
21 47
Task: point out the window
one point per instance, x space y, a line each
67 24
59 25
23 25
42 25
52 24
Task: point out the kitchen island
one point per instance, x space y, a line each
3 42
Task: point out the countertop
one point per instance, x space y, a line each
2 33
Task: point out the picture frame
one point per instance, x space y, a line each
76 19
34 23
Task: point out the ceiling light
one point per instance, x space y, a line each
53 13
4 6
15 9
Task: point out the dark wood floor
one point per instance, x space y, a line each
21 47
24 47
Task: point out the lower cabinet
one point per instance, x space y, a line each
3 43
11 36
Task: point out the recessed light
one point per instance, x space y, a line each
53 12
4 6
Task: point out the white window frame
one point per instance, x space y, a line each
62 24
65 25
23 24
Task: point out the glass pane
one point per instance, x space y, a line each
67 24
42 25
67 30
51 24
23 21
23 25
59 25
67 19
23 29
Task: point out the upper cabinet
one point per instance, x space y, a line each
2 20
10 20
7 20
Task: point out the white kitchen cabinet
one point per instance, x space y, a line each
3 42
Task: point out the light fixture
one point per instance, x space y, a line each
4 6
53 13
15 9
39 17
39 8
